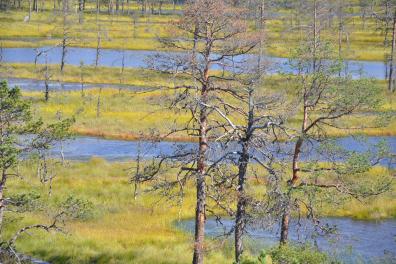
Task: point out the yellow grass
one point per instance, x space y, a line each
140 32
124 230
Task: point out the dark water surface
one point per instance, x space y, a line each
137 59
355 241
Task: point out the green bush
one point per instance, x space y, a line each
77 208
292 255
25 202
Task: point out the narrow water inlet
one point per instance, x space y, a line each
355 242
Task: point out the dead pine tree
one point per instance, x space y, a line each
82 78
97 9
65 43
45 71
47 78
122 71
99 39
366 9
339 7
254 121
261 122
30 11
1 53
135 20
252 139
81 7
98 47
138 171
218 32
98 103
385 14
97 58
35 6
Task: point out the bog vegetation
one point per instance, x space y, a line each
263 142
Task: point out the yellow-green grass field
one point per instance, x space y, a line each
91 74
125 114
90 6
124 230
140 32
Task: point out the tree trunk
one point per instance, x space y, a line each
300 140
65 32
122 70
285 225
2 204
295 170
110 7
62 152
200 214
261 23
30 9
46 79
134 26
1 209
240 218
80 11
46 95
391 87
143 6
201 188
80 17
35 5
340 31
98 103
82 89
63 52
98 49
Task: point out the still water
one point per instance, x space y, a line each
354 242
138 59
83 148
